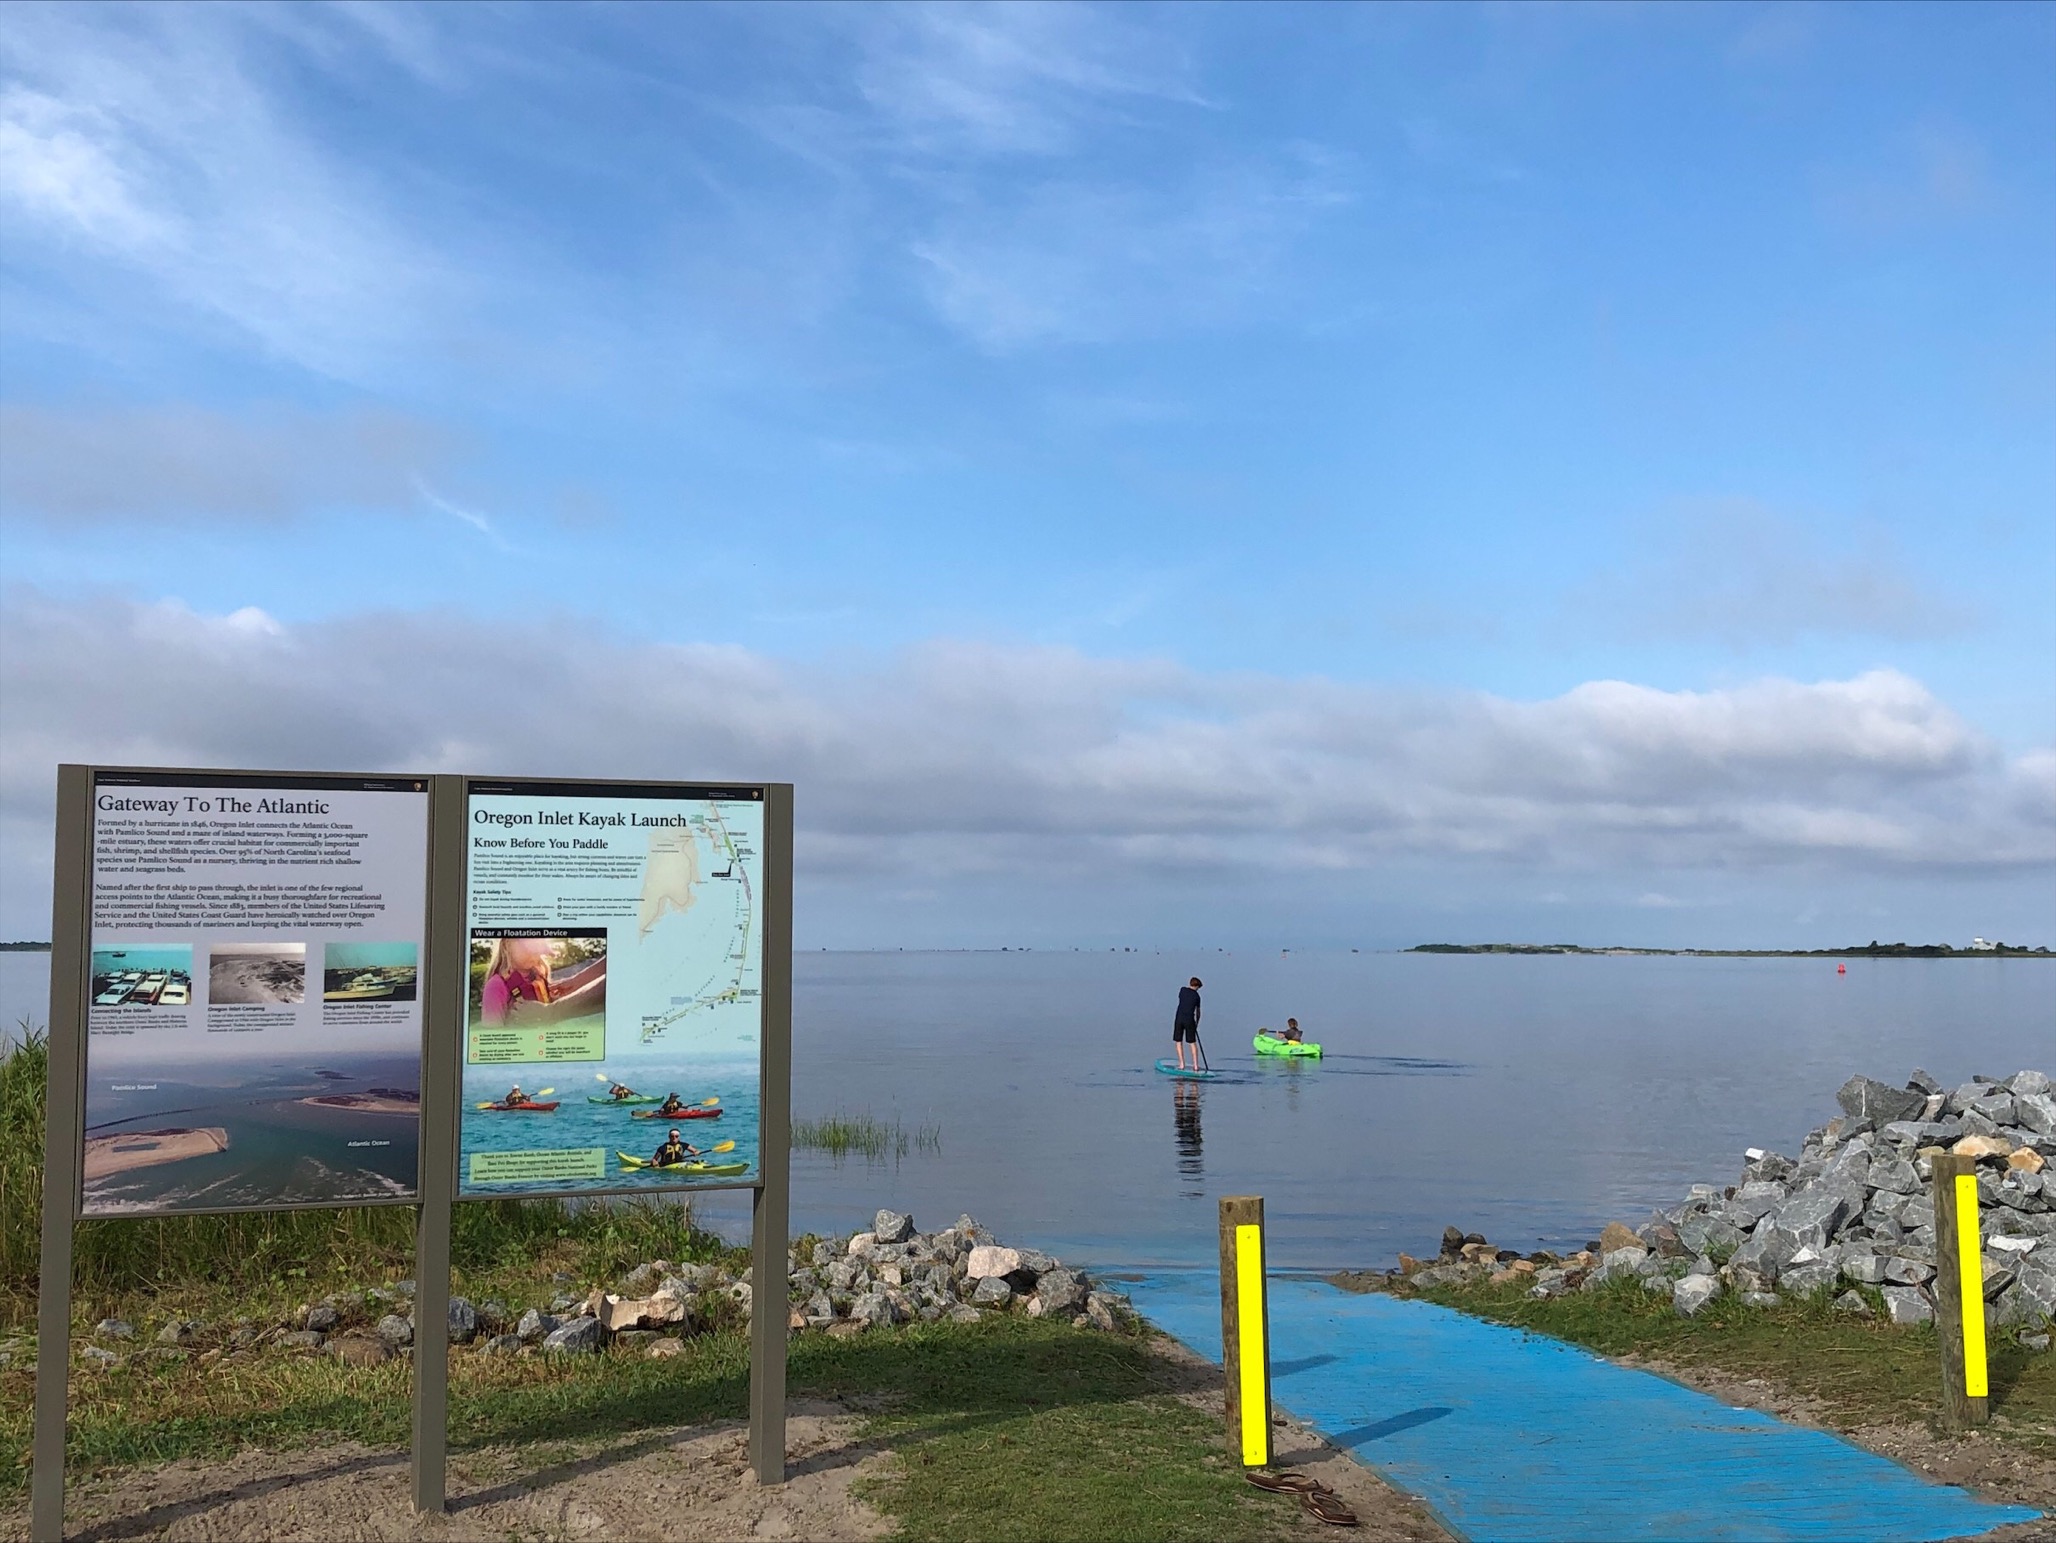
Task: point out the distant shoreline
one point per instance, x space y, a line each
377 1101
1867 951
106 1156
23 947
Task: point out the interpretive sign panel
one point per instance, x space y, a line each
614 1016
252 1009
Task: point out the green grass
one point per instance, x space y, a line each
1864 1370
841 1134
1009 1428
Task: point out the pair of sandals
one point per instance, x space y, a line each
1320 1502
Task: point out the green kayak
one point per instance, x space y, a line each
636 1098
724 1169
1269 1044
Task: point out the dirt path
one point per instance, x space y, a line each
691 1485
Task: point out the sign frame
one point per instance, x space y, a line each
442 974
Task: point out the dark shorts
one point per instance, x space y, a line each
1184 1033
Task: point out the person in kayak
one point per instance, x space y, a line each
618 1091
1185 1027
515 1098
1291 1035
674 1152
672 1104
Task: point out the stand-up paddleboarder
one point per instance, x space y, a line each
1185 1027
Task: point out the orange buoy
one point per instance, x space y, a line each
1841 969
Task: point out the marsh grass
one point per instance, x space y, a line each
839 1135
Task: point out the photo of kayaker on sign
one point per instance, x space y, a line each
521 979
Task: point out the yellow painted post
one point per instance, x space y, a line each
1245 1330
1960 1292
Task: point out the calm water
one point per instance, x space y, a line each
1528 1098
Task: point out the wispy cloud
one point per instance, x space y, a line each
1741 574
78 466
150 139
1936 171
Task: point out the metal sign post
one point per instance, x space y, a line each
772 1205
63 1116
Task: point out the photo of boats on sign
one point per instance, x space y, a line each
142 977
368 972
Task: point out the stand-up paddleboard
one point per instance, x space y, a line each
1173 1069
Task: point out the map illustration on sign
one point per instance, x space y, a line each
613 1029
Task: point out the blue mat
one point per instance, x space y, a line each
1517 1438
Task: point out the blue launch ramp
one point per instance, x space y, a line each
1517 1438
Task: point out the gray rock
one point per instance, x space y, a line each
874 1308
303 1339
323 1319
992 1291
1709 1234
1692 1293
535 1326
1894 1176
963 1312
1907 1304
1923 1081
1754 1201
1764 1165
1801 1280
115 1328
1864 1269
395 1331
1060 1291
463 1321
563 1302
1852 1302
576 1336
2035 1111
892 1227
1807 1220
1759 1299
1035 1262
641 1281
180 1332
98 1355
1900 1270
1863 1098
500 1344
1996 1107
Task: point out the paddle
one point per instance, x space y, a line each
496 1103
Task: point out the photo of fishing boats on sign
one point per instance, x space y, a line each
368 972
142 977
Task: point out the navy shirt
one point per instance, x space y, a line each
1188 1008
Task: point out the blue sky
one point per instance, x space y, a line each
1069 441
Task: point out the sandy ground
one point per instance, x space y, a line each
1989 1468
147 1148
691 1485
1385 1514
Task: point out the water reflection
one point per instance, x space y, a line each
1185 1121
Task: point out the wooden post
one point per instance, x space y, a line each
1245 1330
1959 1292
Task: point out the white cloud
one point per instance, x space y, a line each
961 758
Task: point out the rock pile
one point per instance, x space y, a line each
843 1285
1853 1210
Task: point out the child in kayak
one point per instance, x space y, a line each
1185 1026
672 1104
674 1152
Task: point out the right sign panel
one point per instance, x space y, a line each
613 1029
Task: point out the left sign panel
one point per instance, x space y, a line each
254 991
